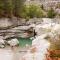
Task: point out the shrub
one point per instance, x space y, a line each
51 13
32 11
24 12
10 8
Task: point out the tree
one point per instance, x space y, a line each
51 13
32 11
1 8
8 6
24 12
18 5
42 6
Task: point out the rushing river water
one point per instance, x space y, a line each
41 45
6 54
9 54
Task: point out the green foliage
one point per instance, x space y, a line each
24 11
10 8
35 11
40 13
17 7
32 11
51 13
1 8
42 6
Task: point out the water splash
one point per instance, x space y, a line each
41 46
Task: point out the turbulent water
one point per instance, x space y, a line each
39 43
9 54
6 54
41 46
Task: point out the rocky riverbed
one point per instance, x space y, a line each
18 28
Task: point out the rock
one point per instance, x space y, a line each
22 28
2 46
13 42
41 29
46 20
2 42
34 21
24 35
4 22
56 27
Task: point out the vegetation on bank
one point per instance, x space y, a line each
51 13
11 8
32 11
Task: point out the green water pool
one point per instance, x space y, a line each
24 41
